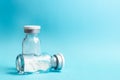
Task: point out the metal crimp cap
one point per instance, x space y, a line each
32 28
60 61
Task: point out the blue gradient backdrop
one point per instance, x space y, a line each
87 32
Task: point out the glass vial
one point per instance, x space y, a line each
42 63
31 42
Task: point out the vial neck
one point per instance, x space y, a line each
30 35
54 62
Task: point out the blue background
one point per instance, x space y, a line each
87 32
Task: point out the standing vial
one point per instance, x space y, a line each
42 63
31 42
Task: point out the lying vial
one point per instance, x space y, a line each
42 63
31 42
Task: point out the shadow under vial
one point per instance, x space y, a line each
13 71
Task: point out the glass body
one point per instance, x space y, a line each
31 44
31 63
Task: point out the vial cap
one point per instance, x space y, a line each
60 61
32 28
